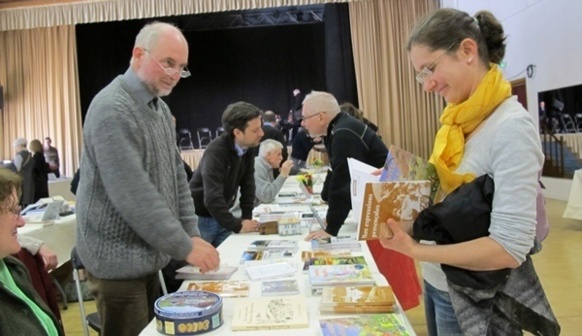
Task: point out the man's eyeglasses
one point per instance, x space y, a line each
311 116
429 70
170 71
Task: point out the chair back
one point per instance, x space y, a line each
204 137
185 142
219 131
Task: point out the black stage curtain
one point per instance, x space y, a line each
260 65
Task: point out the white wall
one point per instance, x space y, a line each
547 34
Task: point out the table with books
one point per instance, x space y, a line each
297 302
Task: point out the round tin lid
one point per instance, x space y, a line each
188 304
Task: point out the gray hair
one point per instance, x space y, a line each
20 142
269 117
149 35
444 27
268 146
323 102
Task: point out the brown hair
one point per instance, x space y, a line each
9 181
444 27
35 146
352 110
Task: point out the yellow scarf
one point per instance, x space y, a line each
458 120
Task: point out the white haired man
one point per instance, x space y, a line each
344 137
270 157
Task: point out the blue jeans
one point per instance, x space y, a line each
211 231
440 315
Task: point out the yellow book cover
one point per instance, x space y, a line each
400 200
230 288
357 309
270 313
345 296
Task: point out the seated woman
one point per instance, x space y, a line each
23 311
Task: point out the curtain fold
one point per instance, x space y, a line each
39 71
117 10
388 93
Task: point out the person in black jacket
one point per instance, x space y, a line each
40 171
227 164
344 137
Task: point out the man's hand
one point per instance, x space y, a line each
50 258
203 255
249 225
317 235
285 168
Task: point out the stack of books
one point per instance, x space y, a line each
357 300
336 243
339 275
332 260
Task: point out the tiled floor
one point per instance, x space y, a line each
559 266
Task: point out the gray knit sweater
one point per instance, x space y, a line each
134 208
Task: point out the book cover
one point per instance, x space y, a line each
280 287
260 245
331 260
223 288
365 325
402 165
334 275
342 296
357 309
401 201
307 255
339 242
270 313
193 273
265 255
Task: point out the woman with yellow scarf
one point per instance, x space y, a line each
485 131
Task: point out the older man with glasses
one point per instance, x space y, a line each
344 137
134 208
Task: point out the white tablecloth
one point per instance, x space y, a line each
574 206
59 237
230 254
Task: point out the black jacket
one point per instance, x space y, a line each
464 215
216 181
347 137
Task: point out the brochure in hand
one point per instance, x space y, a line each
401 201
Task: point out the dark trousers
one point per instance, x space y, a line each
125 307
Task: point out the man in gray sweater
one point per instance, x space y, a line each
134 208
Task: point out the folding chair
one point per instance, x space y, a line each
219 131
204 137
185 141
